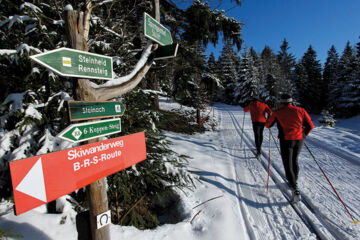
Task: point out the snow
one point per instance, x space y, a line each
231 200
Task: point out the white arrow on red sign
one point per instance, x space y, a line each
41 179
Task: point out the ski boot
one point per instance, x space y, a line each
295 197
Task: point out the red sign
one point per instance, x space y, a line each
42 179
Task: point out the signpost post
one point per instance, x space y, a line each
81 110
156 32
42 179
74 63
89 130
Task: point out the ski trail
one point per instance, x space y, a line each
265 214
315 189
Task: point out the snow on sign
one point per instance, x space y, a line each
74 63
42 179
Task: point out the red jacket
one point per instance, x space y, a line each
291 121
257 111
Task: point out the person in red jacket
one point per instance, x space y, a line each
294 124
258 111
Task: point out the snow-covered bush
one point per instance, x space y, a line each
327 119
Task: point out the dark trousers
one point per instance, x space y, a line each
258 128
290 150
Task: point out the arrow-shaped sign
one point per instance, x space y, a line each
74 63
42 179
89 130
156 32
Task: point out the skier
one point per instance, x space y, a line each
294 124
258 111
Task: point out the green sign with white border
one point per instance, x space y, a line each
89 130
69 62
155 31
83 110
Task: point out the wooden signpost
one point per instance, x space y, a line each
37 180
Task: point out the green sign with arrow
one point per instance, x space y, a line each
156 32
80 110
85 131
69 62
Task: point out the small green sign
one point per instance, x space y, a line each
168 51
85 131
74 63
80 110
156 32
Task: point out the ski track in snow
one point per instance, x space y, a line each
265 214
315 189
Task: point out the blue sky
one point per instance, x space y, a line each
321 23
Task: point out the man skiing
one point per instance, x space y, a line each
258 112
294 124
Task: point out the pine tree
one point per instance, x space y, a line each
211 78
247 81
330 77
313 98
270 75
347 84
228 70
301 82
286 62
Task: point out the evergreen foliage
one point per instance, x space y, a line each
330 77
314 94
327 119
270 75
247 81
228 66
347 84
5 234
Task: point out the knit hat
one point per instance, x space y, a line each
286 98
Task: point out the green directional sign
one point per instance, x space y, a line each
85 131
80 110
156 32
74 63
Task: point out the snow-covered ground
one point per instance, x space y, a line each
231 201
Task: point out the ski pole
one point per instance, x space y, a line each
267 185
355 221
242 131
274 141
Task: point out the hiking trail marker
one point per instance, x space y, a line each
89 130
82 110
155 31
69 62
42 179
